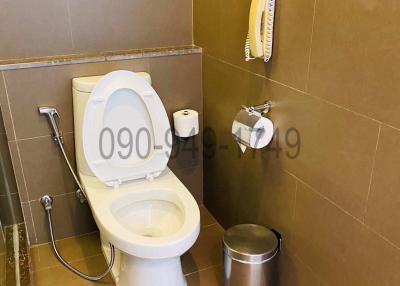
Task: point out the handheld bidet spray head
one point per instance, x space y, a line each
51 114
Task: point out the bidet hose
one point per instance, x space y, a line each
65 263
71 169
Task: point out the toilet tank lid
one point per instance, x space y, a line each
87 84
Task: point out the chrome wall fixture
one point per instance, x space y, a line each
262 108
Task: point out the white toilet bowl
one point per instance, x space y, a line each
151 223
139 205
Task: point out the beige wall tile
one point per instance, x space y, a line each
222 33
104 26
383 213
340 248
30 29
70 218
354 60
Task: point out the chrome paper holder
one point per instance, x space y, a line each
262 108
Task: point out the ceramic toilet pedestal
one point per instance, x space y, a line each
150 272
139 205
130 270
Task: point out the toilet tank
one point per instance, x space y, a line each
82 88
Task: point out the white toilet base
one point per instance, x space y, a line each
129 270
149 272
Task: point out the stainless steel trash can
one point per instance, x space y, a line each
250 253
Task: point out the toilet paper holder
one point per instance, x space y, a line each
262 108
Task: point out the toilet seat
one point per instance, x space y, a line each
126 132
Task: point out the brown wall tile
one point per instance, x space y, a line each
335 157
100 25
7 181
30 29
192 178
383 213
207 251
18 172
294 272
177 80
70 218
354 60
10 209
222 33
336 112
44 167
340 248
46 28
29 224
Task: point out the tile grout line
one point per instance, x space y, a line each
69 261
38 137
53 196
9 105
371 175
253 73
307 94
26 190
346 212
70 25
66 238
309 268
208 225
311 43
204 269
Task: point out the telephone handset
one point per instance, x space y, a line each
261 30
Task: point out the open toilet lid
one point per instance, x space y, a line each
126 133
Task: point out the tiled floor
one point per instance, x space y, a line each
202 265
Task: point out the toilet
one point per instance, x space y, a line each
123 142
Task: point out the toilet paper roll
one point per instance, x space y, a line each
186 123
252 130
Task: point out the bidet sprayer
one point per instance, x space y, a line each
51 114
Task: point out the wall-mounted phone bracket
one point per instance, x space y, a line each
262 108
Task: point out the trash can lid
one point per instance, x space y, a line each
250 243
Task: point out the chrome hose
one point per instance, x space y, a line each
71 169
47 201
65 263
